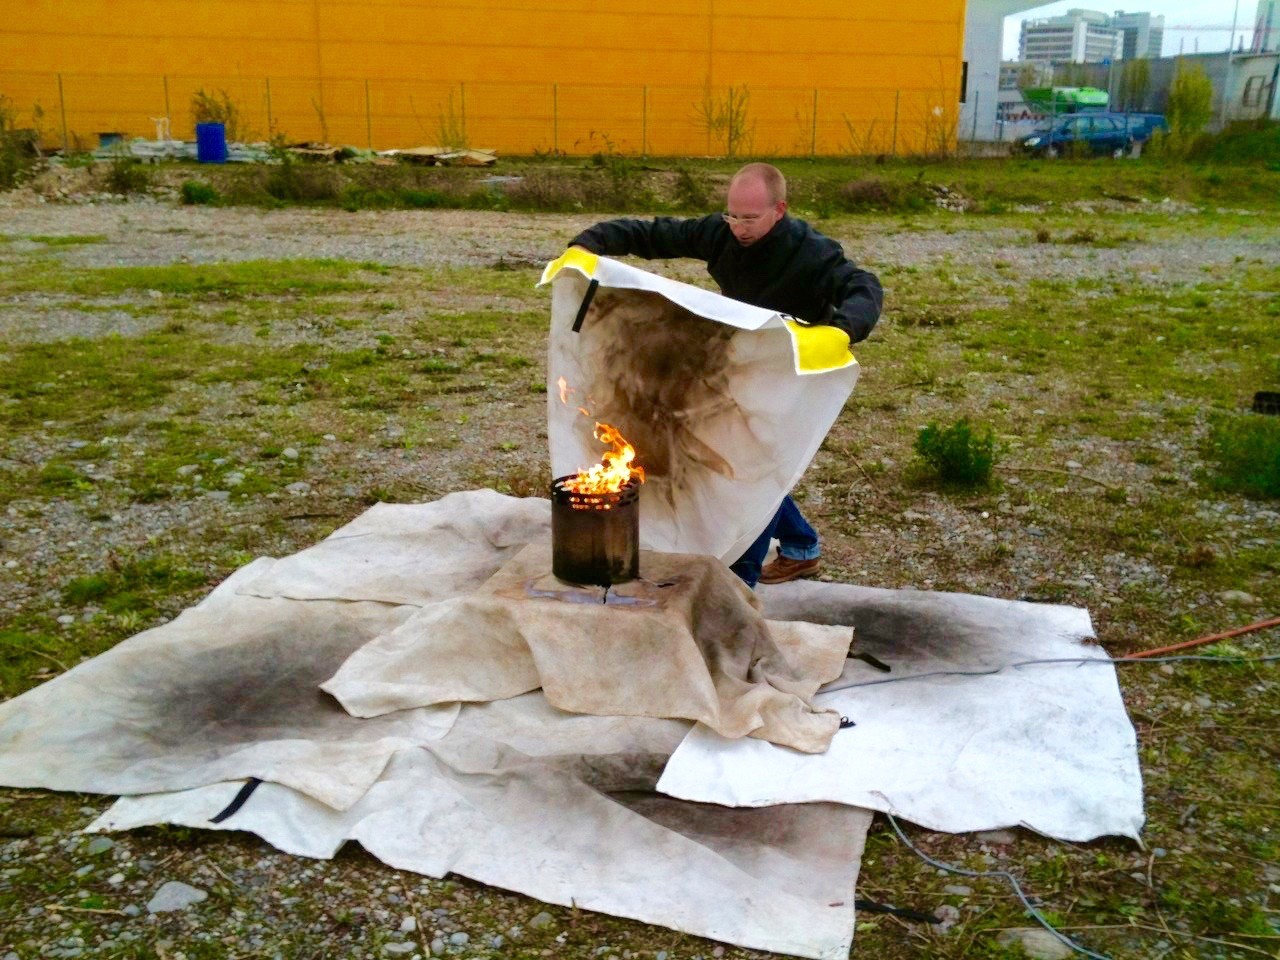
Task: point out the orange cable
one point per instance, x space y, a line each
1201 641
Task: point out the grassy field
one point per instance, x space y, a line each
162 424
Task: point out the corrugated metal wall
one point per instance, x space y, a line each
575 76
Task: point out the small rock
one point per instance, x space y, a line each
220 495
78 444
116 879
233 479
948 916
1037 943
66 618
85 870
299 488
957 889
718 952
399 949
330 437
437 947
543 919
1237 596
997 836
187 469
289 453
132 910
497 941
155 294
1073 465
458 939
175 895
10 564
408 925
660 955
99 845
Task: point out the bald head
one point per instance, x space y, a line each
767 175
756 201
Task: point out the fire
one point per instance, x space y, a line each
616 468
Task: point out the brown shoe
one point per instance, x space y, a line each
783 569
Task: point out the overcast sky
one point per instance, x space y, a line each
1201 14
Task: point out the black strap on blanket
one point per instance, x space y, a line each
238 801
846 723
870 906
592 287
870 661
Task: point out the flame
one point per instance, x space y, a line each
616 468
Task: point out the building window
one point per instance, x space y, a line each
1255 89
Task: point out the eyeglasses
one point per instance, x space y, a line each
746 221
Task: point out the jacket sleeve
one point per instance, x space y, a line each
659 239
855 302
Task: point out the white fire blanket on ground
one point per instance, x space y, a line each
1045 746
684 641
562 808
725 403
229 690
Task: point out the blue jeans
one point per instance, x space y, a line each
796 540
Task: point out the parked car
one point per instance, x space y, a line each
1096 132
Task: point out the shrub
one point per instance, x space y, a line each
19 149
198 194
960 455
692 191
1246 450
877 194
1190 101
127 175
218 107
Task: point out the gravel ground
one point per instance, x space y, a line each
269 904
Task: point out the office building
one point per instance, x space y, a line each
1079 36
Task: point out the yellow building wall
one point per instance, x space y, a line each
575 76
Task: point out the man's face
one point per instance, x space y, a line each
750 213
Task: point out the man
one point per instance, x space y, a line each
761 256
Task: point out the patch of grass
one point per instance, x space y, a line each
67 240
960 455
249 278
1246 451
195 193
131 585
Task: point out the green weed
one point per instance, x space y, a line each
960 455
1246 451
195 193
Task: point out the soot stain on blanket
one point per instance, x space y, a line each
661 372
244 694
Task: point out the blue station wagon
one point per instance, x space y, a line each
1096 133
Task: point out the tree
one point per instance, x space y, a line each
1135 81
1190 100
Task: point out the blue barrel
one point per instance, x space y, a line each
211 142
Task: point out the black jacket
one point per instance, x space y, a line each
792 269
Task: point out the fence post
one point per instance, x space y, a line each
973 136
644 121
897 96
813 135
271 124
368 117
462 109
62 108
555 118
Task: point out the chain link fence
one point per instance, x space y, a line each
72 111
